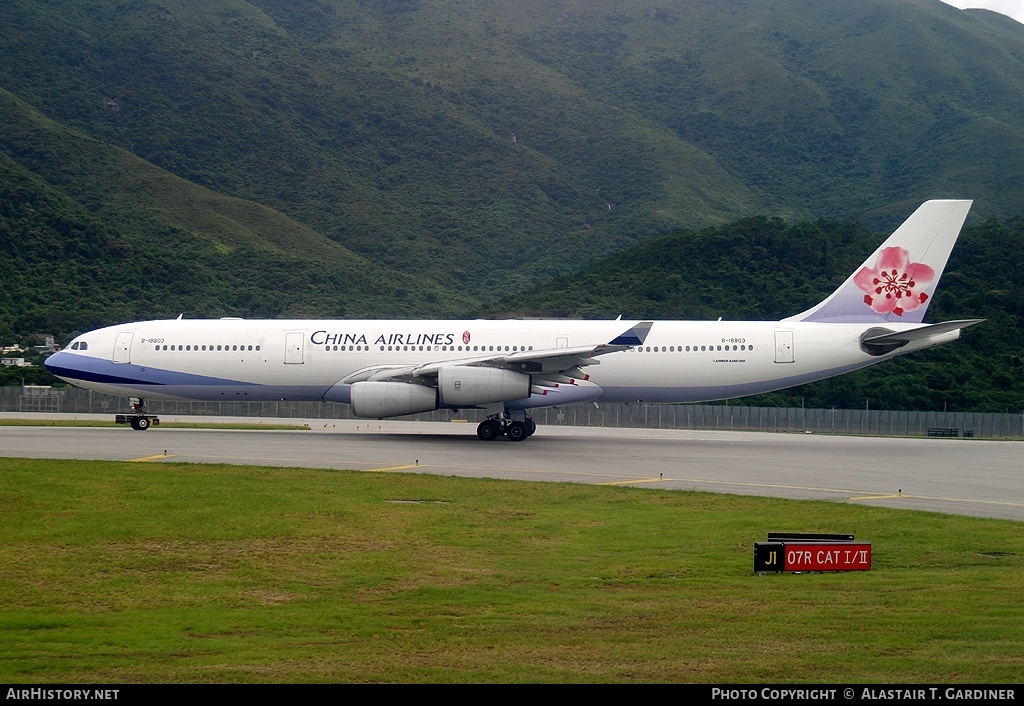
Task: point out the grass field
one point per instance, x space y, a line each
125 572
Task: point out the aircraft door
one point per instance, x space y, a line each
784 347
561 342
123 348
293 348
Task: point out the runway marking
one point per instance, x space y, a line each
392 468
972 501
743 484
149 458
631 482
843 491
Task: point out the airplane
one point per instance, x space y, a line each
390 368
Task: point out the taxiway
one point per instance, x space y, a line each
968 477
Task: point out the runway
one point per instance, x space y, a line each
966 477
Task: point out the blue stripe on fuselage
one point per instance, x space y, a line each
72 367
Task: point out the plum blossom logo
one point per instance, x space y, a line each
465 336
895 284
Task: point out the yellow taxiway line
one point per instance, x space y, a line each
149 458
392 468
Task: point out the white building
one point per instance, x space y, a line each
15 362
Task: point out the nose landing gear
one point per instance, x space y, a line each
139 419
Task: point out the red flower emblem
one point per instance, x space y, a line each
465 336
895 283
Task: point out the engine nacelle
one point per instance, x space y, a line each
467 386
376 400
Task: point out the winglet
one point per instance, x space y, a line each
897 282
634 336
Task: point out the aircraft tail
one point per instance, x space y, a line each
897 282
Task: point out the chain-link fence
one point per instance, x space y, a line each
650 416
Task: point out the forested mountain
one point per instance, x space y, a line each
488 145
91 234
406 158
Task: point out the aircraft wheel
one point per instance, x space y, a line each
489 430
517 431
140 423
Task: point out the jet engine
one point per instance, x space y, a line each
468 386
376 400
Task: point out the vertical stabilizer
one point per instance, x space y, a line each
897 282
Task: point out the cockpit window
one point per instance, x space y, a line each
79 346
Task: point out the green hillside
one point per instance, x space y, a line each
92 235
488 145
401 158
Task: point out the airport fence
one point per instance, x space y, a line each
649 416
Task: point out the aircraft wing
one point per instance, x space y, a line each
551 363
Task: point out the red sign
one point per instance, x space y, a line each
848 556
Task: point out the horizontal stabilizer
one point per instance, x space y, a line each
881 341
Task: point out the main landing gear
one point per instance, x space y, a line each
502 425
138 419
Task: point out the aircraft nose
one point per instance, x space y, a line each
58 362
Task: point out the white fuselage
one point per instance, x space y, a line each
680 361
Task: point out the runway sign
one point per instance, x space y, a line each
812 556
